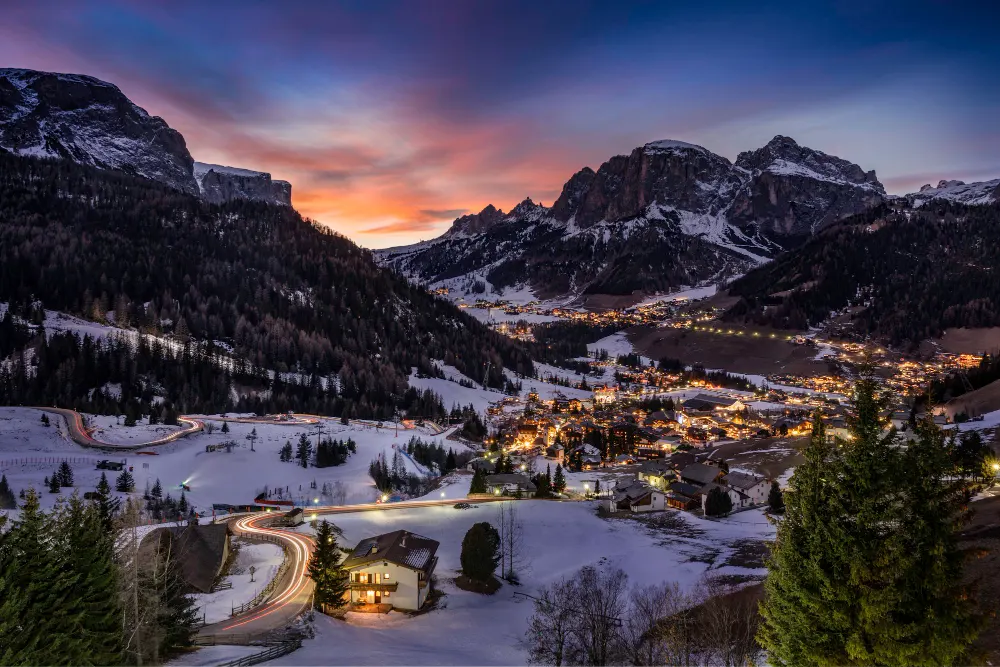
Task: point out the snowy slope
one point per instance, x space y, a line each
985 192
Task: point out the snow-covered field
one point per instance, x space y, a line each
110 430
264 558
559 539
29 452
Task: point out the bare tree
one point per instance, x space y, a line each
728 620
513 556
602 598
643 638
137 610
339 493
550 636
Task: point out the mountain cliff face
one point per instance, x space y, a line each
985 192
666 215
91 122
219 184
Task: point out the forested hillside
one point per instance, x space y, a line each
257 280
905 275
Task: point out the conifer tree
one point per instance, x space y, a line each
65 474
157 491
478 484
54 486
7 499
176 613
125 483
559 480
107 505
775 499
325 569
304 451
285 455
225 427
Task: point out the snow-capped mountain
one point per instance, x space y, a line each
89 121
984 192
219 184
667 214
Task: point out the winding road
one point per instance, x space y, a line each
78 432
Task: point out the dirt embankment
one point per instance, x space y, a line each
747 353
975 403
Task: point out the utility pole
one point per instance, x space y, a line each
319 432
253 438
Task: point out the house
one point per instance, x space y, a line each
708 403
510 484
700 474
392 569
754 489
683 495
200 550
295 517
639 497
555 452
657 473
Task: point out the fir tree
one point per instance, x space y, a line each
7 499
775 499
157 491
176 614
124 482
106 504
54 486
559 480
480 552
182 505
718 503
450 463
478 484
285 455
304 451
225 427
325 569
65 474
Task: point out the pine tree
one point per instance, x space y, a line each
7 499
480 552
285 455
177 617
450 462
65 474
54 486
325 569
304 451
802 625
478 484
125 483
182 505
718 503
225 427
559 480
157 491
85 548
775 499
107 505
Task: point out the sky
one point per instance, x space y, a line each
390 119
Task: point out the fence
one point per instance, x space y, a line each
47 460
267 590
284 648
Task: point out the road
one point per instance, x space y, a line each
78 433
293 595
290 598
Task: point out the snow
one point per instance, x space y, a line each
265 558
202 168
786 168
451 392
683 294
485 630
989 420
967 193
616 345
671 144
29 452
214 655
109 429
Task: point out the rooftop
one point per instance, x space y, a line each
400 547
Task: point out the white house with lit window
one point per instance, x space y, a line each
392 569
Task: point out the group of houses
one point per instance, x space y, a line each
684 482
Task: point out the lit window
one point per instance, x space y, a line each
386 594
386 577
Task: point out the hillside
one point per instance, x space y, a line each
255 279
668 214
902 275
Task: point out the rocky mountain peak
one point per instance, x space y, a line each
89 121
572 194
527 210
476 223
219 184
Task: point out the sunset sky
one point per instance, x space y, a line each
392 118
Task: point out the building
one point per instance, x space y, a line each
393 569
753 490
656 473
700 474
481 464
708 403
639 497
200 550
510 484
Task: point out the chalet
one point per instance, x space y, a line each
605 395
555 452
510 484
657 474
639 497
393 569
200 550
683 496
753 490
709 403
700 474
662 418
